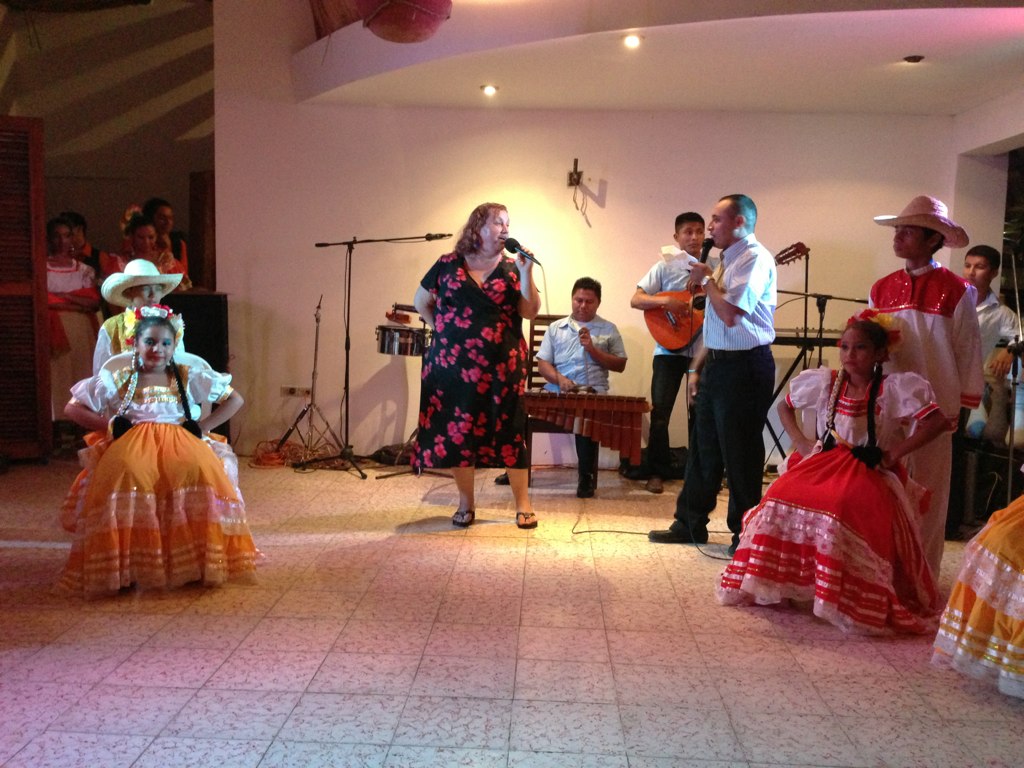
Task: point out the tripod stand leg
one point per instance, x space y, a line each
330 429
346 455
300 417
407 445
411 471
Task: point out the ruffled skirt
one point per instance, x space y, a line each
981 633
833 532
156 510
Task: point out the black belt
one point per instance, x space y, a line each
726 354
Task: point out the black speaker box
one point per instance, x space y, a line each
206 324
206 328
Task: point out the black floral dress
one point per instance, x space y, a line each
474 372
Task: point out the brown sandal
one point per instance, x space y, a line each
526 520
464 518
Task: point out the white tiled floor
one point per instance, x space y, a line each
379 635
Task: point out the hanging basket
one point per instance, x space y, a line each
404 21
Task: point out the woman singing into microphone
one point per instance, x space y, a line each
474 372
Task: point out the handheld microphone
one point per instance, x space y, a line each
428 237
512 246
701 302
705 249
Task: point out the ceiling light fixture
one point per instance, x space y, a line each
915 59
632 41
489 90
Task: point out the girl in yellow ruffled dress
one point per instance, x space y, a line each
157 509
981 633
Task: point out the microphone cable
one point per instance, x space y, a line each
700 547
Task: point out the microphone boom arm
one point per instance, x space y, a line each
412 239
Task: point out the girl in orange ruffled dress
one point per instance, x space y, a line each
981 633
840 528
157 509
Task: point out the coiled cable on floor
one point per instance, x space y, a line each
266 455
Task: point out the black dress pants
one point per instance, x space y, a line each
733 397
586 457
668 374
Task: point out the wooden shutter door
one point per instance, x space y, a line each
25 424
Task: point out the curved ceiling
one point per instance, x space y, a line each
837 62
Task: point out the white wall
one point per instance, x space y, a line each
289 175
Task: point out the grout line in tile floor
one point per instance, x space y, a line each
379 635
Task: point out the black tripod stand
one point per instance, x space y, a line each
406 447
317 435
346 453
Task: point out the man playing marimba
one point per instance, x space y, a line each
575 355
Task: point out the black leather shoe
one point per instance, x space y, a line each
673 537
501 479
585 488
655 484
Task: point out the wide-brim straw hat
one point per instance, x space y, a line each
137 272
928 212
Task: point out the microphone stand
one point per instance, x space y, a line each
346 453
315 437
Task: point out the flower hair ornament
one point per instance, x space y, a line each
883 319
133 316
130 212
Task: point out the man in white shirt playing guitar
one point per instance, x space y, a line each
660 293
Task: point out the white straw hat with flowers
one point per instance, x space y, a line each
928 212
137 272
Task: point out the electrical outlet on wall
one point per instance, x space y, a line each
290 391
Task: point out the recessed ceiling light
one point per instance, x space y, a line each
489 90
915 59
632 41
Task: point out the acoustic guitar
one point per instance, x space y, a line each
675 330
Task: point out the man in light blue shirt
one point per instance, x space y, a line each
732 381
575 355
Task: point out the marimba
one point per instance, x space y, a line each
614 421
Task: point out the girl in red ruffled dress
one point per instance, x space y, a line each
840 527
